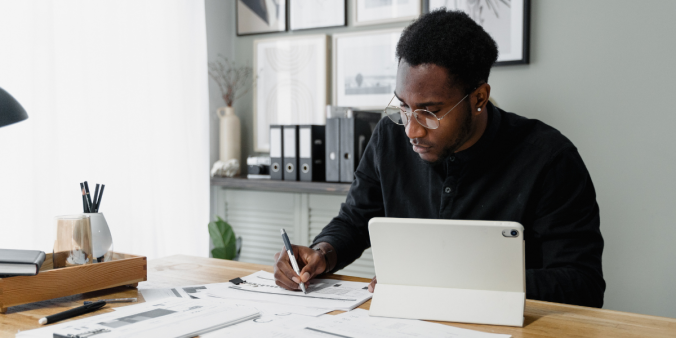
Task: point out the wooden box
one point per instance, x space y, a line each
52 283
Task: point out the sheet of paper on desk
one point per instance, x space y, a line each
358 324
322 293
211 291
170 317
151 295
273 322
299 310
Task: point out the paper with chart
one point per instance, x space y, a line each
322 293
358 324
152 295
169 317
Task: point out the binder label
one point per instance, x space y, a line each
305 143
275 146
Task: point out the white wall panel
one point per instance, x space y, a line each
257 216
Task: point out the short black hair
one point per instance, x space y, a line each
450 39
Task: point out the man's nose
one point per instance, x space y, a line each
414 129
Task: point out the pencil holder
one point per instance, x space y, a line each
102 240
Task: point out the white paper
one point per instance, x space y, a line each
151 295
275 321
358 323
170 317
322 293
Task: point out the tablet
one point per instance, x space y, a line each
449 270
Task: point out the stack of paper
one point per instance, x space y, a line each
170 317
258 308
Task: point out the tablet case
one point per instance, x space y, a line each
451 270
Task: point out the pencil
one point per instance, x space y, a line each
84 199
98 202
96 193
89 198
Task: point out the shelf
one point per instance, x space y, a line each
281 186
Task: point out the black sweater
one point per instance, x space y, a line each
520 170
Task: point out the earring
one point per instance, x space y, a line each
478 109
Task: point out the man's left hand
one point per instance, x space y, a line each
372 285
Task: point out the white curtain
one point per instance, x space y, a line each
116 93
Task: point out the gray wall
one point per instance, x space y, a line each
600 72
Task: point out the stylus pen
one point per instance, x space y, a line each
80 310
292 258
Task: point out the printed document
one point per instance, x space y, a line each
330 294
170 317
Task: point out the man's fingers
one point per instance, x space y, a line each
372 285
315 265
284 274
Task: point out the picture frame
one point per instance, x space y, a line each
364 68
291 84
373 12
260 16
507 21
314 14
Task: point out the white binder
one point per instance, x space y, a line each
449 270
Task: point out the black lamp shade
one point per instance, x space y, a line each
10 109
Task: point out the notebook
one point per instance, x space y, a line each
20 262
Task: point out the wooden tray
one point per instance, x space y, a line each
52 283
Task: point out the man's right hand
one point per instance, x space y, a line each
310 262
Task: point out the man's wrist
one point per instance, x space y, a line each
330 257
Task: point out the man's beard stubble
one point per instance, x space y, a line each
462 137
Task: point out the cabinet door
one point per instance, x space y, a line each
257 217
322 209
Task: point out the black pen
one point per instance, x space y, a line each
84 199
96 193
80 310
98 200
89 198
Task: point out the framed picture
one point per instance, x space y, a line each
365 68
305 14
370 12
260 16
291 84
507 21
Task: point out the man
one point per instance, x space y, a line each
457 156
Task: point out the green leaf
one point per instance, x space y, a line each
223 238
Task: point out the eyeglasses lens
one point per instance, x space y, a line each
396 114
427 119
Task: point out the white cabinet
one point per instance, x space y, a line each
257 216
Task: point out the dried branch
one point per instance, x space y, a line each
233 81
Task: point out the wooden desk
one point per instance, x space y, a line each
543 319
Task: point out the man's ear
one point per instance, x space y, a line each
479 98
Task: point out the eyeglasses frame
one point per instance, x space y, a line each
409 114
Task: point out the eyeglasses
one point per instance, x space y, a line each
426 118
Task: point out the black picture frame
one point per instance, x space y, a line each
285 15
525 38
288 18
